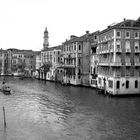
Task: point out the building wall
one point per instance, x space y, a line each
118 63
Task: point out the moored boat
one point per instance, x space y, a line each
6 90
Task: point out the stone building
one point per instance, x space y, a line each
93 60
30 63
37 63
119 58
50 59
77 59
3 62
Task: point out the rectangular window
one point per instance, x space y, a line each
95 37
127 84
110 83
136 84
136 35
75 47
118 34
99 79
127 46
127 34
79 47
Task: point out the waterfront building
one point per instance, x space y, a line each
119 58
37 63
50 59
16 62
93 60
20 62
76 54
30 63
3 62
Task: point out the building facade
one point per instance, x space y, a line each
3 62
119 58
93 60
77 59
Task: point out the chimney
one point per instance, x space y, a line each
124 19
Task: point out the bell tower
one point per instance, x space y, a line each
46 39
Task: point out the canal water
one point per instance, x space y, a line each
40 110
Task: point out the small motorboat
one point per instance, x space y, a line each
6 90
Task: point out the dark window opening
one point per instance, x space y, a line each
118 85
136 84
127 84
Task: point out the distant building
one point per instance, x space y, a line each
3 62
20 62
37 63
51 56
119 58
30 63
50 59
93 60
76 56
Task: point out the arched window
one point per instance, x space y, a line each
118 84
136 84
127 84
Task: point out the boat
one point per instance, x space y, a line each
6 90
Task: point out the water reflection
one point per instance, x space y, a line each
40 110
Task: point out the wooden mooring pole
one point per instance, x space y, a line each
4 117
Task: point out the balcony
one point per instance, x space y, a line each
128 50
117 74
111 50
137 63
127 63
119 50
136 73
103 63
116 64
137 50
69 65
127 74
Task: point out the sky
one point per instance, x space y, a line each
22 22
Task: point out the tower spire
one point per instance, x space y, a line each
46 39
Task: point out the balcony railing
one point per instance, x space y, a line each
128 50
117 74
127 63
127 74
116 64
103 63
137 63
137 50
69 65
118 50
